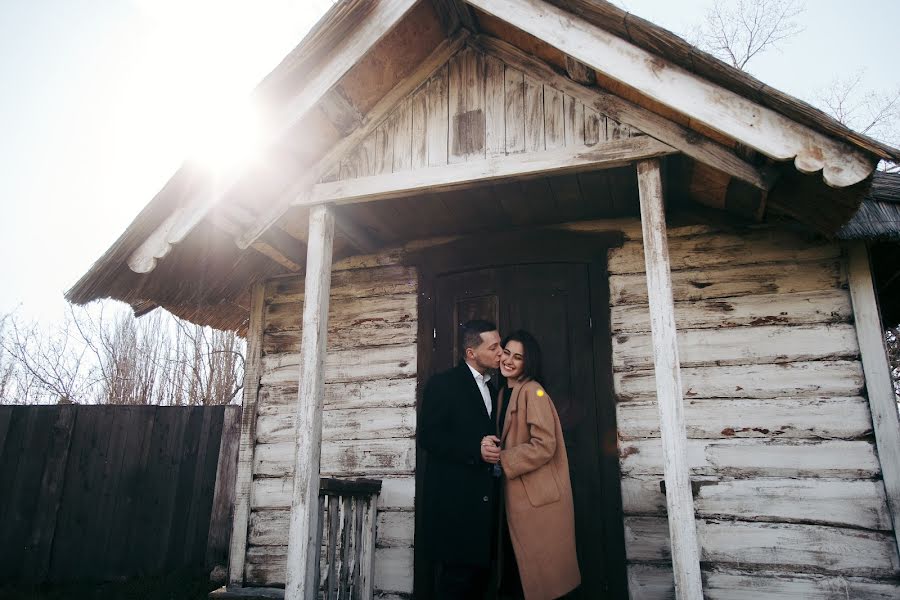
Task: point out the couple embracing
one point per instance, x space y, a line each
499 516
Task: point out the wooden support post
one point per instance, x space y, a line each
303 554
244 479
879 389
679 501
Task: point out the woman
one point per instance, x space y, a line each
538 494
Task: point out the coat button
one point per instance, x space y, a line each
485 498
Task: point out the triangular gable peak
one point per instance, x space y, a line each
475 107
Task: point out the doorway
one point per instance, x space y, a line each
565 305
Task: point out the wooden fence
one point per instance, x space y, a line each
106 492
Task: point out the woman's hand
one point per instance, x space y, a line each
490 449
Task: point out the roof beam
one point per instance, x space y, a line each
769 132
689 142
379 19
453 15
392 185
370 121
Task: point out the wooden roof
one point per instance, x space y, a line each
197 254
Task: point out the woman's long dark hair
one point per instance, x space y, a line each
533 363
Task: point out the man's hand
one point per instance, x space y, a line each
490 449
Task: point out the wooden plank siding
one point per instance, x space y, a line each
475 107
369 417
787 480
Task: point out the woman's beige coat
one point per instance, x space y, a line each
538 494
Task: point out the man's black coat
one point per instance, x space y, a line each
460 489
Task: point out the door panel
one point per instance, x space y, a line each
553 302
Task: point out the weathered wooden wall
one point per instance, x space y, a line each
369 422
106 492
786 476
475 107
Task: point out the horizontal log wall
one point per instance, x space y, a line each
369 421
786 477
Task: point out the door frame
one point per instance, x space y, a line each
510 248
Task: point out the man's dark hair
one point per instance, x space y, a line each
533 361
470 333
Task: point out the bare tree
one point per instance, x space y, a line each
97 358
738 31
875 113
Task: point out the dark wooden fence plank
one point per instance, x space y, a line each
26 485
106 492
184 475
133 504
223 497
204 487
68 544
9 465
94 472
43 529
5 417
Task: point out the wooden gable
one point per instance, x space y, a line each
476 106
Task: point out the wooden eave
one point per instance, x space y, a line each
310 145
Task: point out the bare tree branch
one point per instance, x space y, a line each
737 32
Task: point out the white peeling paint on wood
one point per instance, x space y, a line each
343 457
361 279
347 365
344 395
818 378
879 385
816 418
814 547
397 492
842 502
269 528
742 346
758 458
703 284
727 249
799 308
393 568
723 110
353 424
655 582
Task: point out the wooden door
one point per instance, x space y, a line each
553 302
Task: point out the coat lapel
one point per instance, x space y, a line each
466 373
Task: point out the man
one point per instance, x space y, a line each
457 428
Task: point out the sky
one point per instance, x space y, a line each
102 100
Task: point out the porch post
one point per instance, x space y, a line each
877 370
302 555
679 501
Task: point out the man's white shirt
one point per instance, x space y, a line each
482 380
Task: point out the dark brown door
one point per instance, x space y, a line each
553 302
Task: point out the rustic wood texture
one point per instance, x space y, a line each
223 497
368 418
476 107
658 79
300 582
107 492
879 384
244 478
667 370
779 432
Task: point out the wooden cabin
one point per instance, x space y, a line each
670 229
